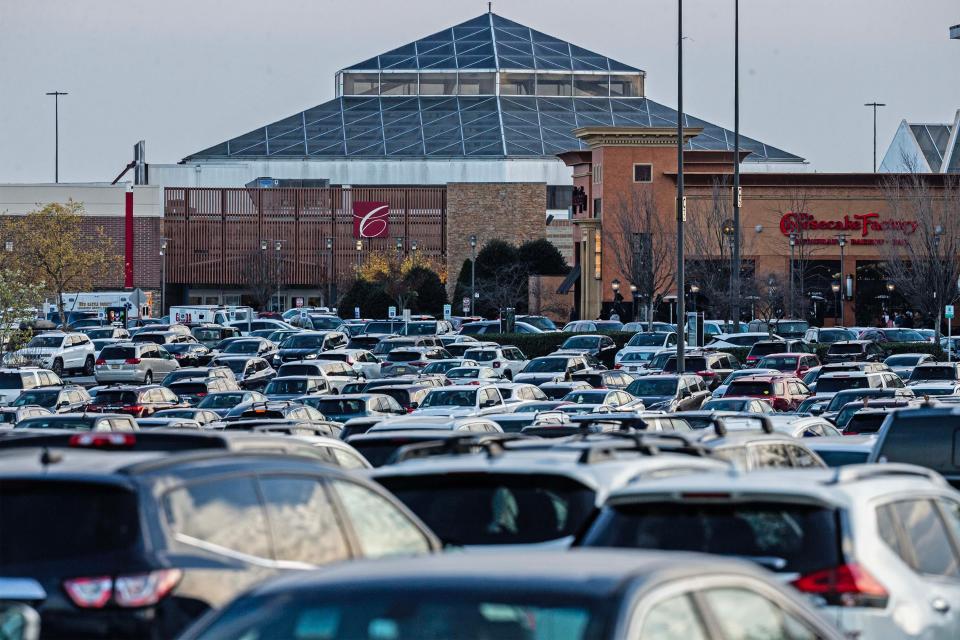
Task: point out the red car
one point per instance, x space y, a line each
795 364
784 393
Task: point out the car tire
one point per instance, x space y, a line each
148 377
57 367
88 366
508 374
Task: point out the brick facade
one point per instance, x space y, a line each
513 212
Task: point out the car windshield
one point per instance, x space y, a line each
420 329
722 404
325 322
828 384
845 348
339 407
792 327
188 388
55 422
840 400
416 613
586 397
45 342
865 422
836 335
463 372
947 390
386 346
404 356
797 538
383 327
653 387
489 509
946 372
156 338
179 347
286 386
903 335
237 366
480 355
440 367
637 356
12 381
546 365
38 397
206 335
903 360
646 340
580 342
221 401
924 440
302 342
540 322
766 348
840 458
114 397
450 398
780 363
243 347
102 520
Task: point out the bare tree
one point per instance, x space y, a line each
505 287
259 275
766 293
922 256
642 248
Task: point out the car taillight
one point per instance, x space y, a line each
848 585
135 409
409 409
89 593
100 361
618 366
102 440
132 361
145 589
752 358
706 374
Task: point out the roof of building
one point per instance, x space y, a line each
377 123
924 147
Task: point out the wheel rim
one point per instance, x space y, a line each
147 379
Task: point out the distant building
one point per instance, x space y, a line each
924 148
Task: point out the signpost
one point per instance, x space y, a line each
356 313
948 312
391 312
466 305
406 322
447 311
298 302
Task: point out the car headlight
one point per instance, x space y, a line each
310 356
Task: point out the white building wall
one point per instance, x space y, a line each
99 199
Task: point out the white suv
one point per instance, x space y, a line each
507 361
878 545
13 382
59 352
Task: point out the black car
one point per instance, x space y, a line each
251 372
189 354
59 400
308 344
140 544
80 422
926 436
854 351
670 392
712 367
601 347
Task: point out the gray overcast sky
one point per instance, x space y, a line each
186 74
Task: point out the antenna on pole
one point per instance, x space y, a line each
489 7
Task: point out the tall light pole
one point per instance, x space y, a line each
163 275
681 199
835 287
842 241
694 290
874 105
793 244
473 272
277 246
359 249
735 275
56 132
330 273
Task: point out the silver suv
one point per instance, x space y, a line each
877 545
141 362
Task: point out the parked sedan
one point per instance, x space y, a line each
472 375
291 387
903 364
137 401
221 402
670 392
601 347
344 407
189 354
66 399
510 596
783 393
251 372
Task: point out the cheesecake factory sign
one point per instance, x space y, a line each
861 228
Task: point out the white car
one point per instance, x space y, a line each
362 361
733 340
13 382
461 401
507 361
59 352
647 342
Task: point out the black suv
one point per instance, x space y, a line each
854 351
927 436
140 544
713 367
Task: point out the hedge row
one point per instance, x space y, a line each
543 344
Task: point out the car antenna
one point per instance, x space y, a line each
48 457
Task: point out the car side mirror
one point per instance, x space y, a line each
685 393
414 405
62 404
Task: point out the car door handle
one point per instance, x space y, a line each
940 605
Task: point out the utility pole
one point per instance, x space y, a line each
735 276
681 199
473 273
874 105
330 273
56 132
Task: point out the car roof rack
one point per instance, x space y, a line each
720 423
468 443
650 444
298 429
857 472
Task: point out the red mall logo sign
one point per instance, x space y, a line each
371 220
864 223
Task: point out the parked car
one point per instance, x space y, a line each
11 416
508 595
260 347
141 362
251 372
903 364
935 372
740 373
604 379
828 335
189 354
554 368
193 390
100 333
203 417
137 401
647 342
410 360
795 364
461 401
473 375
361 360
307 345
507 360
883 335
854 351
188 373
336 373
592 326
713 367
293 387
740 405
763 348
784 393
181 536
80 422
220 402
58 352
409 396
209 335
666 392
787 328
341 408
601 347
65 399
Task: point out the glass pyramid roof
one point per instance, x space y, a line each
490 41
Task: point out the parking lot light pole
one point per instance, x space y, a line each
694 290
842 241
163 275
330 273
835 287
359 249
793 245
277 246
473 272
636 297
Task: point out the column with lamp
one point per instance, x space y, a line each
266 268
330 273
615 285
163 275
399 244
473 273
729 230
277 247
937 236
694 290
842 242
359 250
635 293
889 296
413 251
793 245
835 287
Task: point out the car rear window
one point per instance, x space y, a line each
339 407
865 423
934 373
839 458
49 521
787 537
188 387
780 363
845 348
931 441
768 348
825 385
107 397
297 370
482 509
404 356
690 364
379 452
118 353
56 422
749 388
480 355
400 395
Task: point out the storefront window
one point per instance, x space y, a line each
554 84
626 86
360 84
476 84
518 84
438 84
398 84
590 85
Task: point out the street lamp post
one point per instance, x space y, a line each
277 246
330 273
413 251
681 199
615 285
735 273
635 294
793 244
842 241
473 272
874 105
694 290
359 249
56 132
163 275
835 287
729 232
